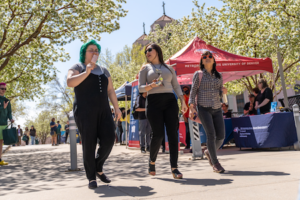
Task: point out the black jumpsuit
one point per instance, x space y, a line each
94 120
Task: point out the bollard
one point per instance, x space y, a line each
73 144
297 124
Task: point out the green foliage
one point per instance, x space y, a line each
42 125
59 99
242 27
31 33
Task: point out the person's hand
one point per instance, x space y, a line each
118 114
5 104
192 111
91 66
224 90
153 84
12 121
256 107
184 108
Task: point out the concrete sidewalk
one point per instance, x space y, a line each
4 148
38 172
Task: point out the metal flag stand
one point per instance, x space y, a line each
196 140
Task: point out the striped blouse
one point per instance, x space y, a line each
209 92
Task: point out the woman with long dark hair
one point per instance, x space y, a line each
208 92
159 81
32 135
93 87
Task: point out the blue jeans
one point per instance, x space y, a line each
32 140
124 131
118 133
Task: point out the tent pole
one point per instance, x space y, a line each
285 99
126 135
274 87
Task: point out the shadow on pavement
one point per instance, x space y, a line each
254 173
203 182
35 166
118 191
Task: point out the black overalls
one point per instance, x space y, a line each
94 120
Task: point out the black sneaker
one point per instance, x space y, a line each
143 151
93 184
103 178
148 149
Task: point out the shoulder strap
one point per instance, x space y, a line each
200 74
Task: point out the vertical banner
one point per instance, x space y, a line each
134 138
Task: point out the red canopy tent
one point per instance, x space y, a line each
232 66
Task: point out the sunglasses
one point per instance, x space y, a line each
3 88
148 50
204 57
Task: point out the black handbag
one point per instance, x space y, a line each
10 136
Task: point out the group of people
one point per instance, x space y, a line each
93 87
259 101
26 135
55 132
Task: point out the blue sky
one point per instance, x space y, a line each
131 28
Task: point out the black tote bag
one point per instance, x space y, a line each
10 136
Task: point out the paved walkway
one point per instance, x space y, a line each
38 172
4 147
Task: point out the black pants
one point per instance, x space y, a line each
213 123
162 112
67 134
188 136
58 138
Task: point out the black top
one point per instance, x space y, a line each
67 130
227 115
247 106
267 94
141 103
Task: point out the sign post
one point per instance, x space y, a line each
196 139
297 124
73 144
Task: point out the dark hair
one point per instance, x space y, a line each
225 105
57 121
159 53
251 95
214 69
264 82
53 119
256 90
186 87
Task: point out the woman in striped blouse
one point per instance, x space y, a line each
209 92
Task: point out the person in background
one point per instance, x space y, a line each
249 108
32 135
144 125
265 97
186 96
26 134
58 132
67 131
53 130
5 114
255 92
20 134
123 121
113 113
226 113
208 93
